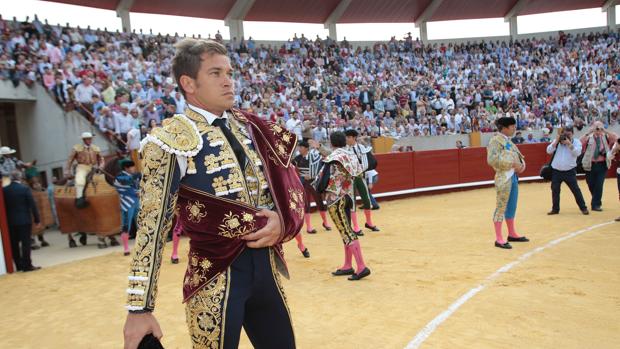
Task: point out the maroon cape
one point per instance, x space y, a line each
215 225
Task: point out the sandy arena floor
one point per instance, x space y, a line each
431 250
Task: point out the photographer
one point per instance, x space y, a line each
563 166
597 143
613 154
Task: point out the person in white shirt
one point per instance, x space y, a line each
565 150
84 92
106 121
319 134
133 146
123 122
613 153
294 125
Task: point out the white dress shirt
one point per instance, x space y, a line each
565 158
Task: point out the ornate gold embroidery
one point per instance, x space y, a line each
191 166
276 128
197 270
284 134
215 137
339 217
177 133
205 313
281 149
276 278
286 138
296 202
235 180
154 220
212 163
247 217
265 199
194 211
219 185
233 226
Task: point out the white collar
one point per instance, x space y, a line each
210 117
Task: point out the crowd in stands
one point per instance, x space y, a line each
399 88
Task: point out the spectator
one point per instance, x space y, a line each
60 90
106 121
545 138
123 122
468 86
518 138
150 114
48 78
294 125
84 93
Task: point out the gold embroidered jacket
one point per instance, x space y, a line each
502 153
189 152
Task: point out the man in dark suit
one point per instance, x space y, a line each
366 98
20 209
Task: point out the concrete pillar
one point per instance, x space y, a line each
333 33
514 30
122 11
235 27
423 33
125 21
611 18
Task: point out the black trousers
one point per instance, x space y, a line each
570 178
248 295
618 180
596 178
21 245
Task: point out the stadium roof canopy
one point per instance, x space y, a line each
343 11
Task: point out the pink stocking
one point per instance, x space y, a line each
324 218
368 218
308 223
300 242
511 228
176 238
356 226
498 232
357 253
125 239
348 254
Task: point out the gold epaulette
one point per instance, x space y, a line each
177 135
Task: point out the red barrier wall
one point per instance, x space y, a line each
403 171
4 232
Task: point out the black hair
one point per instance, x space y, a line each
338 139
127 164
504 122
351 133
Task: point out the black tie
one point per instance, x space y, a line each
232 140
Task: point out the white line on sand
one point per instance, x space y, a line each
439 319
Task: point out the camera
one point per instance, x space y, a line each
563 138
